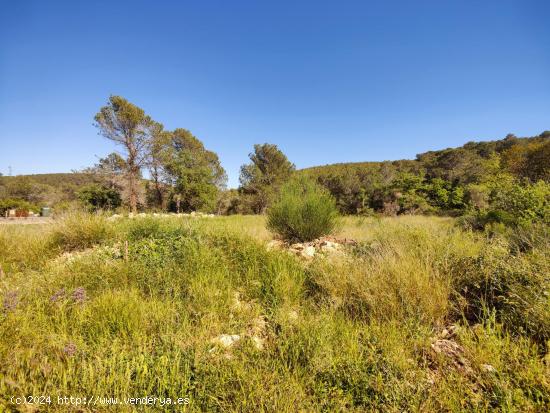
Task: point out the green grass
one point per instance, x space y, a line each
84 317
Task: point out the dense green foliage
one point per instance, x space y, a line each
304 211
452 181
514 288
98 197
510 203
262 177
182 171
195 172
17 204
45 189
82 316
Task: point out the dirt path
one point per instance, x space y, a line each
26 221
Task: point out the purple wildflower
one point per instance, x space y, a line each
70 349
11 299
79 295
58 295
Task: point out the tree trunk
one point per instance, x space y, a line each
132 188
133 171
158 189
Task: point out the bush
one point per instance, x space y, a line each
96 197
78 231
515 290
517 204
11 203
512 205
305 211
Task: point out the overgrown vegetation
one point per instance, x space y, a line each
305 211
99 197
82 315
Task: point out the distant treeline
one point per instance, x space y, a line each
508 178
448 180
34 191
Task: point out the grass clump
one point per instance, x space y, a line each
78 231
514 288
305 211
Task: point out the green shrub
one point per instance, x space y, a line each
305 211
80 230
514 288
96 197
513 203
11 203
144 228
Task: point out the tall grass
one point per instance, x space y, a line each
81 316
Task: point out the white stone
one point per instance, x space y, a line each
274 244
488 368
308 251
227 340
293 315
258 342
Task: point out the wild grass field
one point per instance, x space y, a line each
421 315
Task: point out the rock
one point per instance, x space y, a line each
454 352
274 244
293 315
258 325
238 304
330 247
226 340
258 342
447 347
257 332
308 251
488 368
449 332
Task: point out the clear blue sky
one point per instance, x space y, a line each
326 81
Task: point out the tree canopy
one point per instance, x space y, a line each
129 126
262 177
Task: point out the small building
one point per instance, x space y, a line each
18 213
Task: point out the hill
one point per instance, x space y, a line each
430 180
48 189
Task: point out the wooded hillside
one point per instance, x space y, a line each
447 179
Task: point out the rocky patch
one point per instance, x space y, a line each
324 245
